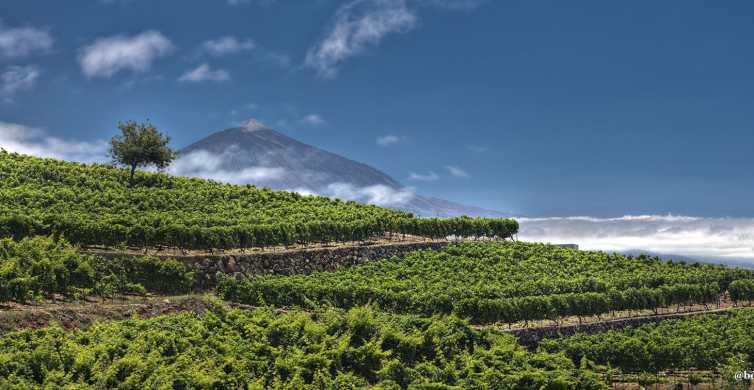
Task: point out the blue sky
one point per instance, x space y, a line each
542 108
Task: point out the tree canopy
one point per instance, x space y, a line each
141 145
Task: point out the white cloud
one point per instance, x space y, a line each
23 41
227 45
430 176
357 25
312 119
456 171
717 238
32 141
204 72
380 195
208 165
387 140
108 56
18 78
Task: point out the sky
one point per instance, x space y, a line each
545 109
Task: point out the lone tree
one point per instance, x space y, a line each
140 145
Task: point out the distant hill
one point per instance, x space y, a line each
257 154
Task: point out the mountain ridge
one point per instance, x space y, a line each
272 159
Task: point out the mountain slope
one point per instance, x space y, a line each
306 167
255 153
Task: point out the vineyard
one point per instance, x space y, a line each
94 205
720 343
40 267
259 349
501 282
425 320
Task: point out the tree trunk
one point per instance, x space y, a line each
131 177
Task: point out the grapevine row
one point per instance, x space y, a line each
41 267
705 342
93 205
262 349
500 282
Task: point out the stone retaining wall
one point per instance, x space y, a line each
306 261
530 337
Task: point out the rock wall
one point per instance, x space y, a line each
530 337
206 267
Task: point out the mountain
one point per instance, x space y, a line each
257 154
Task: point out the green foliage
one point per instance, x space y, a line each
731 369
140 145
90 205
491 282
742 290
260 349
705 342
39 266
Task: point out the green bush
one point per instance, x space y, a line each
742 290
261 349
43 266
703 342
498 282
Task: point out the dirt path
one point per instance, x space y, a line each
395 239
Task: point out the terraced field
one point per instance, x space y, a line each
430 319
502 282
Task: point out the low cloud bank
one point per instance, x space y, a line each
36 142
714 238
380 195
207 165
210 166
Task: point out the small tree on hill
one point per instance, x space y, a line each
140 145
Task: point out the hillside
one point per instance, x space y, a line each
391 324
93 205
305 166
284 163
503 282
396 321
